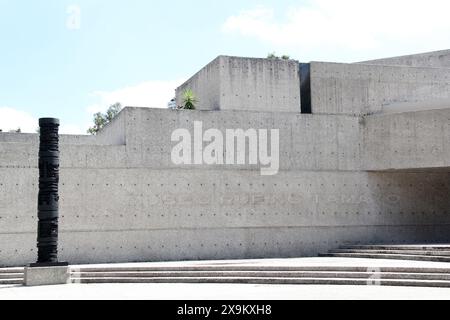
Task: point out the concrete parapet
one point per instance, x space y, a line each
359 89
407 141
247 84
435 59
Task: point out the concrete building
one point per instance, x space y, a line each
233 83
364 158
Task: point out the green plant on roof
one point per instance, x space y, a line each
274 56
189 100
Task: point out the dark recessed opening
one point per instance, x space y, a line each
305 87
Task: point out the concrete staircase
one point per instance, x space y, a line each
11 276
337 270
276 275
434 253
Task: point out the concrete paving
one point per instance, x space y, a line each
177 291
219 292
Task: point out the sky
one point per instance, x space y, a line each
70 59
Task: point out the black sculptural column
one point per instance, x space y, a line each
48 198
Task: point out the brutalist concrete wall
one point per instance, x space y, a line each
249 84
409 140
206 86
359 89
129 202
435 59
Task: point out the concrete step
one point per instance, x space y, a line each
438 253
275 281
12 281
388 256
247 268
238 274
11 276
12 270
435 247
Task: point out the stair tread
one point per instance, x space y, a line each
264 269
324 275
414 252
13 281
103 274
12 270
399 247
262 278
255 280
392 254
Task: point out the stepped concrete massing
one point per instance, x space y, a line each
233 83
306 271
364 159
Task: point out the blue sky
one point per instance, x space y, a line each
68 59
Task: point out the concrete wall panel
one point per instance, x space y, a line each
359 89
234 83
119 215
410 140
306 142
125 203
206 86
436 59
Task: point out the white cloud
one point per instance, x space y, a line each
12 119
153 94
73 129
362 25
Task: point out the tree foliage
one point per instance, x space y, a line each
102 119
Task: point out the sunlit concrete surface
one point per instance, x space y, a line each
365 161
219 292
299 262
237 291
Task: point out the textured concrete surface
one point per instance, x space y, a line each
235 83
124 203
344 178
46 276
207 292
429 105
237 291
294 262
407 141
359 89
436 59
279 271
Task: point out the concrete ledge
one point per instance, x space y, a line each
435 59
248 84
361 89
46 276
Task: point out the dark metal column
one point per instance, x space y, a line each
48 199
